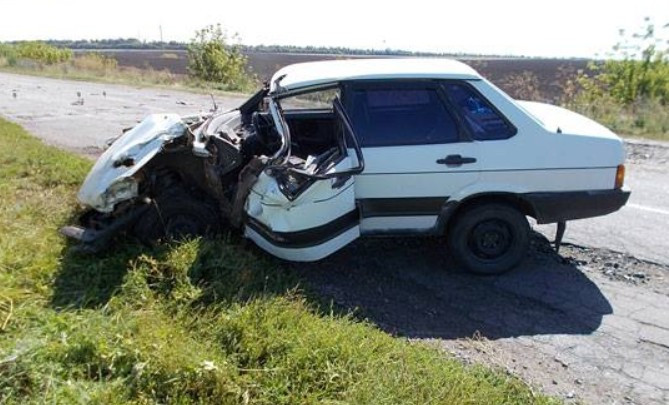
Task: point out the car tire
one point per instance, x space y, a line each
175 216
489 239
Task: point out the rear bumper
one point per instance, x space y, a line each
563 206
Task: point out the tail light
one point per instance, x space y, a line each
620 177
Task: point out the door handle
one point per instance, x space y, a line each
456 160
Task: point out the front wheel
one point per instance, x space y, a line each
490 238
176 216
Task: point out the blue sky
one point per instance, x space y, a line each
565 28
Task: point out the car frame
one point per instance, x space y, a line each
401 147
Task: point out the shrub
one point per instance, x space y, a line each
8 55
41 52
95 62
629 92
212 59
637 69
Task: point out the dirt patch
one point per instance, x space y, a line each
640 152
618 267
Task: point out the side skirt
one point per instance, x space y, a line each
304 254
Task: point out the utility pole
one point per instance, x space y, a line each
160 27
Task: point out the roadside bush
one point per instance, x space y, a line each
638 69
8 55
629 91
211 58
95 62
41 52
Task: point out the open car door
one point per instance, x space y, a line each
305 210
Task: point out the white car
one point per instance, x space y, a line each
331 151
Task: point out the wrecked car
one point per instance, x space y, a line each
331 151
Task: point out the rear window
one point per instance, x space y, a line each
483 121
407 116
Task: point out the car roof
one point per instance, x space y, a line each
310 74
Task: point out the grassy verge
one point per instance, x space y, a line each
85 68
644 119
200 321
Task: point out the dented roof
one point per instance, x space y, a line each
310 74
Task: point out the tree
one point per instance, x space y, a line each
212 59
637 69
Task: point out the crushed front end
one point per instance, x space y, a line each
158 167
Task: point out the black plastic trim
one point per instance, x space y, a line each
488 170
401 207
307 237
559 206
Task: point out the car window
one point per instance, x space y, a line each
402 116
315 100
483 121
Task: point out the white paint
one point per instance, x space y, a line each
413 171
315 73
141 144
318 205
649 209
308 254
556 118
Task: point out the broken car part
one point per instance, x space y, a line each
330 151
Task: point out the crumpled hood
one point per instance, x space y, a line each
568 122
108 182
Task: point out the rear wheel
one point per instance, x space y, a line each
490 238
177 215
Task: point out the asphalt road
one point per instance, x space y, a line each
81 116
51 109
590 324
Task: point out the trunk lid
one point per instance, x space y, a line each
560 120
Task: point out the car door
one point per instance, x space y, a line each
417 153
303 212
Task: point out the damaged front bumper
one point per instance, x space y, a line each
95 229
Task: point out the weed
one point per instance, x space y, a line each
201 321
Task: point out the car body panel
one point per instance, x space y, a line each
140 144
307 227
311 74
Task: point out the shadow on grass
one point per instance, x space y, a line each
225 269
411 287
90 280
408 287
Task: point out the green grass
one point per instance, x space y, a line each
195 322
643 119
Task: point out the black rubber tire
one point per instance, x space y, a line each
175 216
489 239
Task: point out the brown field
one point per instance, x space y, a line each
520 77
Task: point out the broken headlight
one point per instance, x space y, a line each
124 189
